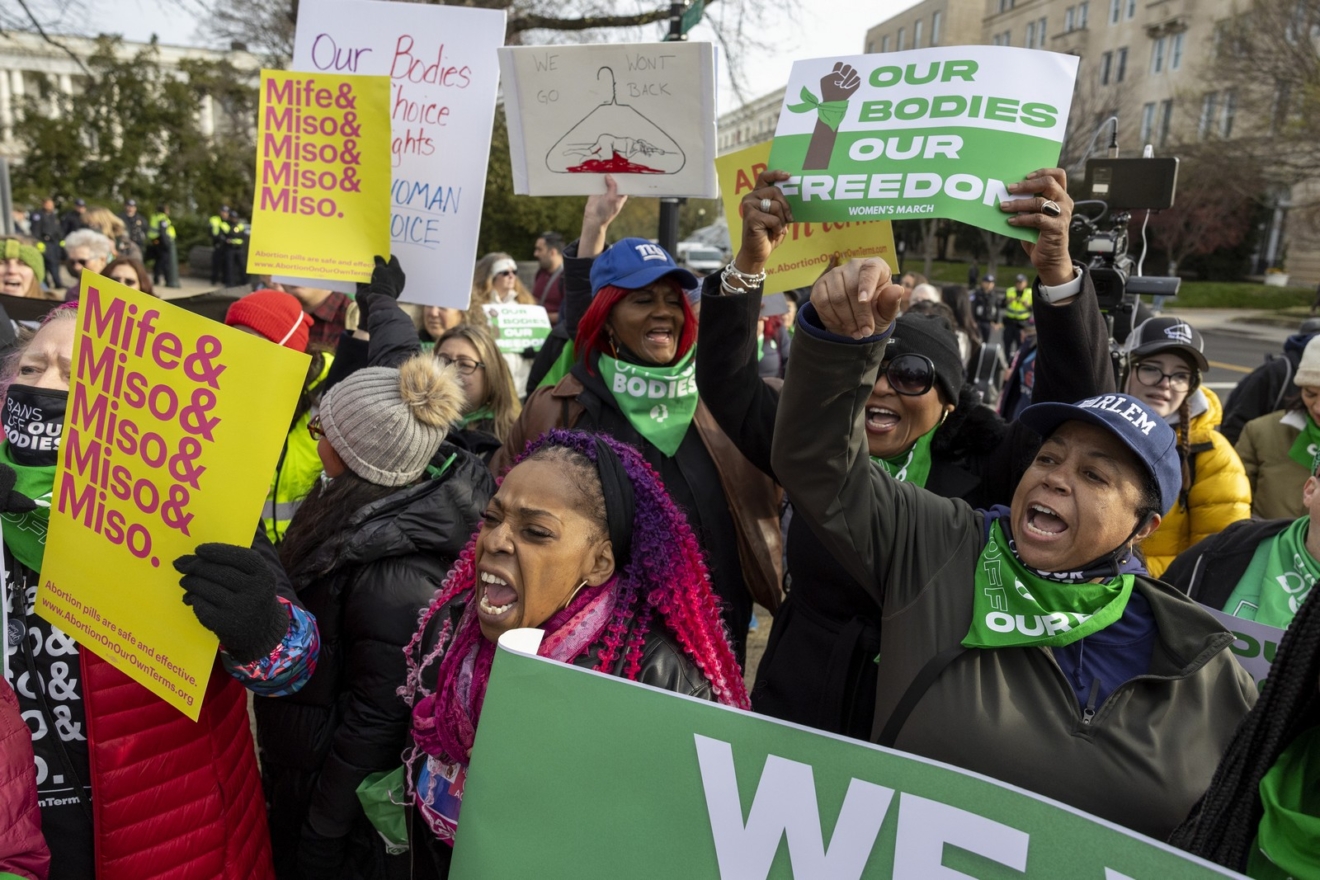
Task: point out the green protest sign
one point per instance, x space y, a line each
518 327
921 134
581 775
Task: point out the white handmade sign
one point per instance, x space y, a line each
444 81
643 112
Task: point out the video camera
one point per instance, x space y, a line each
1118 187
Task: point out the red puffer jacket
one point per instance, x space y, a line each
173 800
22 848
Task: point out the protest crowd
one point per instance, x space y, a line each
833 462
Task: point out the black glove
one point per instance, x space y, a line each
320 858
232 592
387 279
11 501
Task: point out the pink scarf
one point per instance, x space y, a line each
445 722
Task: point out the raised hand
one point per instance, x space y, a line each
1050 252
762 231
857 299
840 83
601 211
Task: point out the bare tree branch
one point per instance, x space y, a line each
586 23
36 23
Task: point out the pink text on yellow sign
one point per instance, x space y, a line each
807 248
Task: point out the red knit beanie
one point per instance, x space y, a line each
275 315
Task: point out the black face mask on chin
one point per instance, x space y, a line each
34 422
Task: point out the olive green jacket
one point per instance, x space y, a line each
1149 750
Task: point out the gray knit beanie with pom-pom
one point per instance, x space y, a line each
386 424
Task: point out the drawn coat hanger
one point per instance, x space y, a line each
615 138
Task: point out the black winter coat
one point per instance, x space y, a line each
818 668
1209 570
366 586
1267 389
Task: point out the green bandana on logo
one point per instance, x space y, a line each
1285 839
25 533
1013 608
658 401
1306 448
1290 572
829 112
912 466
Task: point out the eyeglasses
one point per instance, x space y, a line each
314 428
79 261
505 274
466 366
911 374
1151 375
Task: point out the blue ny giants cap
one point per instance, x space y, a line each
1149 437
632 263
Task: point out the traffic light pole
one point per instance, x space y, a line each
668 233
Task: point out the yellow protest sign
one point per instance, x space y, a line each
173 429
807 247
322 202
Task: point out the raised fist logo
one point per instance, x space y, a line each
660 412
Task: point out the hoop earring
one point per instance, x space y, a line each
573 595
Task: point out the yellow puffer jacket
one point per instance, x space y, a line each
1220 493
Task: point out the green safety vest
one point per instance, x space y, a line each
1018 307
218 226
153 226
295 476
237 235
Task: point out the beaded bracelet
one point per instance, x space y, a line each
749 282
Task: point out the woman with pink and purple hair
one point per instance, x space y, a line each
582 541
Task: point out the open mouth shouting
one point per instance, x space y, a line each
881 419
660 340
13 284
497 600
1043 523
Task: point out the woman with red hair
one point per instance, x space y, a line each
635 381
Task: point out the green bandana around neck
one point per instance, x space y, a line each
829 112
477 415
25 533
1306 448
658 401
1290 572
1015 608
1290 826
912 466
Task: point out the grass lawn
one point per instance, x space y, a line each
1192 294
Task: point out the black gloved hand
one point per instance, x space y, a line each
320 858
387 279
232 592
11 501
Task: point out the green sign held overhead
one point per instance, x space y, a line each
921 134
580 775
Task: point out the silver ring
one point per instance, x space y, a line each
1051 208
765 206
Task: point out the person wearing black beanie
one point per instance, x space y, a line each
924 425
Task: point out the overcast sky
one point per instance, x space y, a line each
819 28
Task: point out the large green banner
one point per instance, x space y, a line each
580 775
921 134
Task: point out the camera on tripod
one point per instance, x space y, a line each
1118 187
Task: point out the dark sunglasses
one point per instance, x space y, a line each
314 428
505 274
911 375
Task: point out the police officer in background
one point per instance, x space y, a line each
219 225
77 218
160 247
986 306
236 242
48 232
1017 315
135 225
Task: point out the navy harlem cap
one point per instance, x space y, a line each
1150 438
632 263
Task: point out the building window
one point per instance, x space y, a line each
1176 51
902 38
1031 35
1230 109
1115 10
1040 34
935 28
1122 65
1209 104
1069 15
1106 67
1157 56
1131 9
1147 123
884 43
916 34
870 47
1082 11
1166 120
